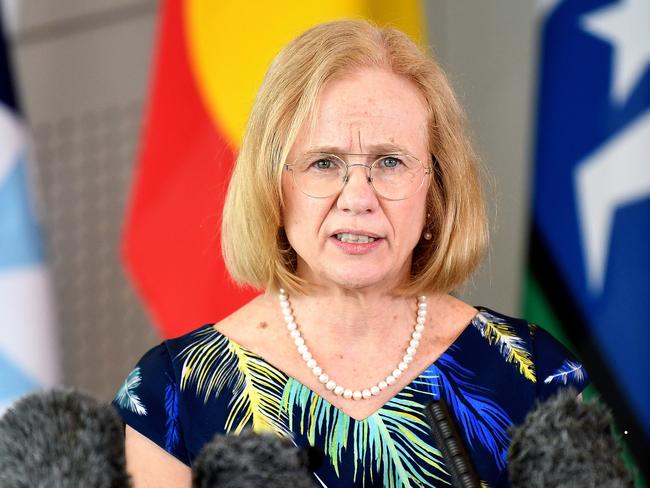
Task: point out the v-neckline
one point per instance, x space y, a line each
468 326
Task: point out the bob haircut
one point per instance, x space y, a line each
254 245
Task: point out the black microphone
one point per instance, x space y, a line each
447 437
250 460
62 438
566 443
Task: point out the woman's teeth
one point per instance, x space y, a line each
354 238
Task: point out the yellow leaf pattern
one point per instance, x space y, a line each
512 347
213 361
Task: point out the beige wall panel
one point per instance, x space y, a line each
83 86
488 50
45 16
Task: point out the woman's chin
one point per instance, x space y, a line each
350 279
350 276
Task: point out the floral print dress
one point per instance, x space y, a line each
186 390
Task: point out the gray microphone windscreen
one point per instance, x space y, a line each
566 443
62 438
252 460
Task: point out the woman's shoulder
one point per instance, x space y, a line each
256 325
500 327
508 332
249 326
546 361
241 326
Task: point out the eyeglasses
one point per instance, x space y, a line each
392 176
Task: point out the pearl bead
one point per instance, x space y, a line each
330 384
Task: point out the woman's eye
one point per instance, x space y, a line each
322 164
390 162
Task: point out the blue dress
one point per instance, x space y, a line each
186 390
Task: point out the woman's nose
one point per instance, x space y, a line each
357 195
364 173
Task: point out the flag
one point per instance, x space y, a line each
211 57
28 344
590 253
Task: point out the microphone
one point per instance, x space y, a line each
62 438
566 443
445 432
250 460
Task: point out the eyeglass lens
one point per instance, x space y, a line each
393 176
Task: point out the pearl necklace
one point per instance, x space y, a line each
325 379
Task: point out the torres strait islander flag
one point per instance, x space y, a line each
28 343
590 246
211 58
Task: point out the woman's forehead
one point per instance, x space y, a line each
367 111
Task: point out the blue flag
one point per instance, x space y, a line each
28 346
590 250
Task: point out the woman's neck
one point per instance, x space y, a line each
351 317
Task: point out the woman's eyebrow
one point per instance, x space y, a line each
388 148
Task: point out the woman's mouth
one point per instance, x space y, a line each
360 238
356 243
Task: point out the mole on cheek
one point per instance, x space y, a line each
262 325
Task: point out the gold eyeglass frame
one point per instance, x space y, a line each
427 171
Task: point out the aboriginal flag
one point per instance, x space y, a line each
211 57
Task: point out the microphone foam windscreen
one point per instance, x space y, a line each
62 438
566 443
252 460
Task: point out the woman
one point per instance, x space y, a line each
355 204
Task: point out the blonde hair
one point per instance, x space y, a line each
254 246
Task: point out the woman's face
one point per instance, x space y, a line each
369 111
